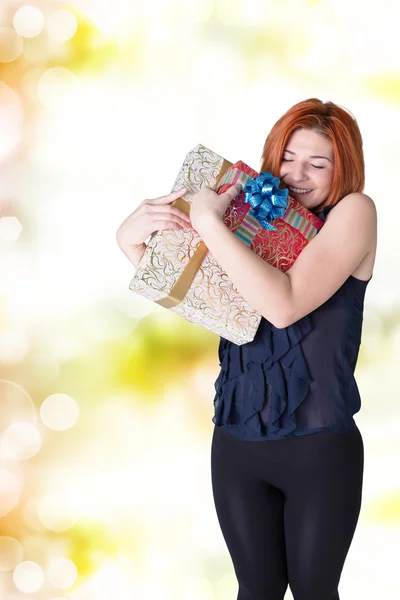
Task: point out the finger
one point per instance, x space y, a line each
232 192
235 189
169 197
165 212
167 224
172 219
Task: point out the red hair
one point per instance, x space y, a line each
335 123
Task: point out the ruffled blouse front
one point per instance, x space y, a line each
261 384
275 363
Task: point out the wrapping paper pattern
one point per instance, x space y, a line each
212 301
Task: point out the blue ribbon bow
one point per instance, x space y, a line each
267 201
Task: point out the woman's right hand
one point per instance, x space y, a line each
151 215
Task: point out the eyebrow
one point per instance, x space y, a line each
290 152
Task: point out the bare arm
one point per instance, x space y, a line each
319 271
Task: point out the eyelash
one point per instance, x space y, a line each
315 167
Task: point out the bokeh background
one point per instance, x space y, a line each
106 398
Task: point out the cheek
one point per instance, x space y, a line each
325 180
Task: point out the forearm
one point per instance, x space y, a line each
266 288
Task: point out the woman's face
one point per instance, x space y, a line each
308 164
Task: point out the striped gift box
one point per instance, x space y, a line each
293 230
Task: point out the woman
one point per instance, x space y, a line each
287 457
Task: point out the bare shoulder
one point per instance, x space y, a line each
356 205
359 209
344 246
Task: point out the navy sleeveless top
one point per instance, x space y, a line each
296 380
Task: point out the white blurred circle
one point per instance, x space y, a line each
21 441
53 85
62 572
28 577
59 412
30 515
11 486
10 229
11 119
62 25
14 346
30 82
53 514
11 553
11 44
28 21
15 405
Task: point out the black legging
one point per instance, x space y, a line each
288 510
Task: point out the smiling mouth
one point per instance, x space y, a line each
300 191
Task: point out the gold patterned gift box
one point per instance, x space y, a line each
178 272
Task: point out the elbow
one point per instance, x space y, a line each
283 313
279 321
282 318
282 324
285 320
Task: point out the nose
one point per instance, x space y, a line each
297 172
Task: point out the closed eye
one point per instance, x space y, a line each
315 166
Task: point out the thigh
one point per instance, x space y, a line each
321 513
250 514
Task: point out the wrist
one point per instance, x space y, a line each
134 253
208 222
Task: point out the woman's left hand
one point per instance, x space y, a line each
207 205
